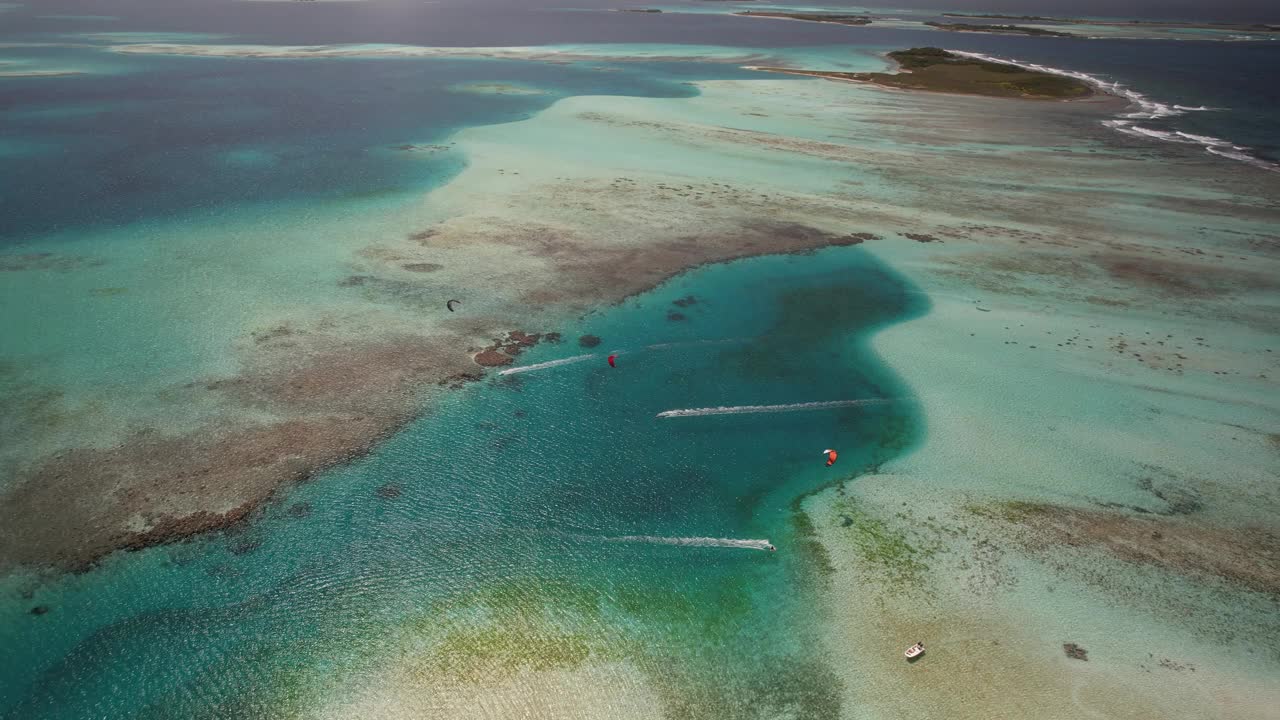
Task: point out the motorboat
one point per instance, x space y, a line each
915 651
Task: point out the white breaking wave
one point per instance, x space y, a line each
1145 107
747 409
1142 108
694 541
545 365
1212 145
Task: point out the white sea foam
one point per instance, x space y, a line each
1142 107
1212 145
545 365
694 541
749 409
619 353
744 544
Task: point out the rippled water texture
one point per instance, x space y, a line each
538 517
253 466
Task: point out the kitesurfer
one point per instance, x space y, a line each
611 357
831 457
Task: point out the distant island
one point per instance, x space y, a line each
812 17
936 70
1249 27
1000 29
639 10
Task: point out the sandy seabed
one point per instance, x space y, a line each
1097 475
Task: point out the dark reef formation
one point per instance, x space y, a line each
504 350
1075 652
422 267
1241 556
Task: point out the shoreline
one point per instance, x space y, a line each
854 20
940 71
1243 27
836 77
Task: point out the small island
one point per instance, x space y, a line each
936 70
1244 27
1000 29
1024 18
811 17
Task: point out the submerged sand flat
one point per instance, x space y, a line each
1102 346
1098 344
558 53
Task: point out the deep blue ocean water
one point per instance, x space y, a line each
180 134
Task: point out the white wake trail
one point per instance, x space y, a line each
696 343
748 409
694 541
545 365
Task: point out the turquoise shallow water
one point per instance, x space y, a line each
523 485
531 518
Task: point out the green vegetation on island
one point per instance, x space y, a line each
936 70
812 17
1250 27
999 29
1024 18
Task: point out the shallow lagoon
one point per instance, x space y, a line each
518 545
524 483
